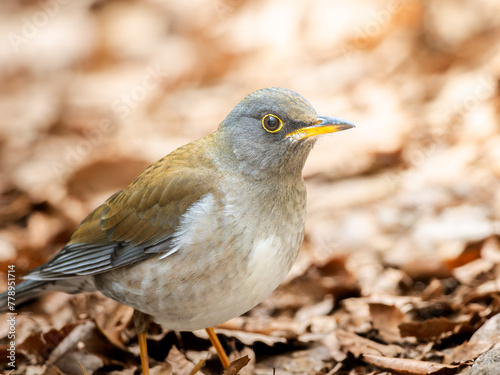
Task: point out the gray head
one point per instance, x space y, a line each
273 130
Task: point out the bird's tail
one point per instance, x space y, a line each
21 293
30 289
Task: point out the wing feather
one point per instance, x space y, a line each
137 222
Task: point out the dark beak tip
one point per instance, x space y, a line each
344 124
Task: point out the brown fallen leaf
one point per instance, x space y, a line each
386 319
426 269
470 253
249 368
332 344
409 366
309 312
428 329
433 291
247 338
180 364
481 341
112 323
44 343
14 204
358 345
311 361
424 310
475 272
80 333
236 365
164 368
355 314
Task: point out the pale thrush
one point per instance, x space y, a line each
205 233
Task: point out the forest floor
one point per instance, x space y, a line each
400 266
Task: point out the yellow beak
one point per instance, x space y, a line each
324 125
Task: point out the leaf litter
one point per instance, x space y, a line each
400 267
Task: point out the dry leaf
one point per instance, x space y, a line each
428 329
409 366
357 345
164 368
180 364
483 340
386 319
114 322
236 365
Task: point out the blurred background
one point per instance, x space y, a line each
92 92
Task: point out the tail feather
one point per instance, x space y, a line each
30 289
23 292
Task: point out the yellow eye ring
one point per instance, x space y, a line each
272 123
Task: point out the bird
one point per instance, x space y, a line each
205 233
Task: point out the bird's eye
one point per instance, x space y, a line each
272 123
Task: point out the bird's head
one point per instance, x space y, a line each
273 130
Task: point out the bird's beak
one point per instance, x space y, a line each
323 125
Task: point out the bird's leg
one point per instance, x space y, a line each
141 322
218 347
